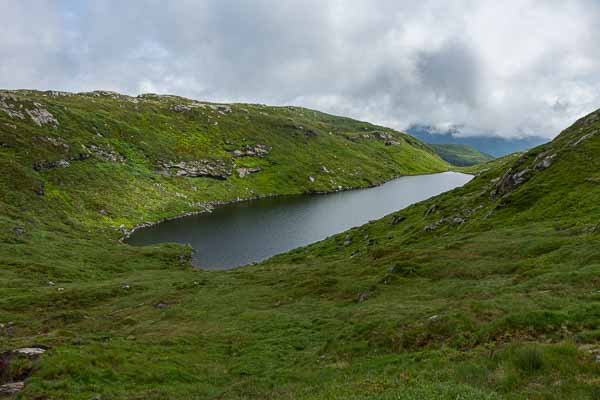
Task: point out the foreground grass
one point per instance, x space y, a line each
504 305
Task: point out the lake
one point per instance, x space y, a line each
241 233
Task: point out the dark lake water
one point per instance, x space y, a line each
240 233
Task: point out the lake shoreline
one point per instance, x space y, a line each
211 205
252 231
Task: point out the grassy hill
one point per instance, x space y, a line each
461 155
489 291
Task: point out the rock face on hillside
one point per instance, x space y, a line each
258 150
518 175
105 154
217 169
39 115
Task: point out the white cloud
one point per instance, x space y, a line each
512 68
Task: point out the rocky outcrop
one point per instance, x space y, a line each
455 220
583 138
217 169
88 151
57 142
10 105
257 150
306 131
511 180
243 172
41 116
546 161
181 108
391 143
105 154
44 165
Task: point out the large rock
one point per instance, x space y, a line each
31 352
511 180
217 169
11 388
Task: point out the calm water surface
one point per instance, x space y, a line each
240 233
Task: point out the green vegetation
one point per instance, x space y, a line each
461 155
489 291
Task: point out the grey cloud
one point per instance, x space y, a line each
518 68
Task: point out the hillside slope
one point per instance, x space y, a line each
489 291
461 155
122 160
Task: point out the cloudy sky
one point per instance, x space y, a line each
509 68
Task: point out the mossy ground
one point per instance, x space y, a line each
503 306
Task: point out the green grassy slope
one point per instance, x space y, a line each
461 155
309 151
489 291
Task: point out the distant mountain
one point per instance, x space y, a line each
461 155
493 145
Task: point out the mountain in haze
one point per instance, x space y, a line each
494 145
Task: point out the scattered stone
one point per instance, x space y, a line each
217 169
181 108
434 226
60 289
243 172
161 305
431 209
31 352
458 220
104 153
398 219
50 283
364 296
382 135
19 231
126 286
434 317
311 178
11 388
57 142
39 190
324 169
391 143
